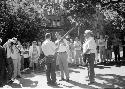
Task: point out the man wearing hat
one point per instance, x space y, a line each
89 50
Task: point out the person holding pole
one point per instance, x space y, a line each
62 57
89 49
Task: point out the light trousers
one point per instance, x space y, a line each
17 66
78 57
63 64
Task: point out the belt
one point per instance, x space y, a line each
50 56
62 52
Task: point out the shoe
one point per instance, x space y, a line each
91 82
67 80
54 84
62 79
18 76
48 83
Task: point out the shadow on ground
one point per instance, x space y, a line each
112 81
23 83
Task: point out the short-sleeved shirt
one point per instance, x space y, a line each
48 47
90 44
63 47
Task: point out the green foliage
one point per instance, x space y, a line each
22 19
26 19
99 19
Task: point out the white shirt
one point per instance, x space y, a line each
77 45
26 53
48 47
8 52
63 47
15 54
89 44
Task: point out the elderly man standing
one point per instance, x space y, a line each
89 49
49 49
62 57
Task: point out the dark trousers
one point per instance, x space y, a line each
91 73
26 62
10 68
123 51
50 71
116 53
2 75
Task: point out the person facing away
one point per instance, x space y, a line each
49 49
89 50
62 57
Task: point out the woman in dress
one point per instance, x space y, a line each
34 53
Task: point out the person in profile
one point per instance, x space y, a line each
89 50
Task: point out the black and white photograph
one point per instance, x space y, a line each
62 44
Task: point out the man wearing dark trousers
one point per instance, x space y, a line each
2 65
116 43
89 50
49 50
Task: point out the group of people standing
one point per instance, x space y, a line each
61 52
15 58
56 53
106 45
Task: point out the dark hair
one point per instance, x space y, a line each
47 36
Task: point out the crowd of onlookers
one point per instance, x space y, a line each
19 57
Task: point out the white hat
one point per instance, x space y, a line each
14 38
88 31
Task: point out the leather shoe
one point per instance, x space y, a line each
67 80
48 83
19 76
91 83
54 84
62 79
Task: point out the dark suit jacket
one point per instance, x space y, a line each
2 58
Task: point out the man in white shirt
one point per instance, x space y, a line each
15 55
89 50
49 49
62 57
